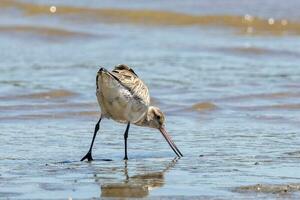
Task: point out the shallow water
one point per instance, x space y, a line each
228 84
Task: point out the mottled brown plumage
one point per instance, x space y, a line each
122 96
131 81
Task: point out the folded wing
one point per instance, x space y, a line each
129 79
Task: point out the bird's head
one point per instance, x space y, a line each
156 118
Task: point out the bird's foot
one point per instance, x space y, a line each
125 158
88 156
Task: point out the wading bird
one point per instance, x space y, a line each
124 97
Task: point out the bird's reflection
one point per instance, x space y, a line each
138 185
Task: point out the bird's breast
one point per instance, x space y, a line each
118 103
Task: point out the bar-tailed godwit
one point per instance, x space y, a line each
124 97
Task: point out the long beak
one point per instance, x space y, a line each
170 142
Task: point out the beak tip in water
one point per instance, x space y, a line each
170 142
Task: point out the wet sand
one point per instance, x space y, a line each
245 24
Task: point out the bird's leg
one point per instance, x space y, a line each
88 156
125 139
126 171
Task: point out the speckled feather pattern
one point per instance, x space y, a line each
121 95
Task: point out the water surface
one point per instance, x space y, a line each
225 74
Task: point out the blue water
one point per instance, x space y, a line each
231 101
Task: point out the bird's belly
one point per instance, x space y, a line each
121 106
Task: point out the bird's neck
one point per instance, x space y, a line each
145 120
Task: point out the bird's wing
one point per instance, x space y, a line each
129 79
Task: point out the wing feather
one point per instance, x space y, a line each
129 79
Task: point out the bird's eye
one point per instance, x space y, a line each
158 117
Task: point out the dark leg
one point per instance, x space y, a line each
125 138
126 172
88 156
